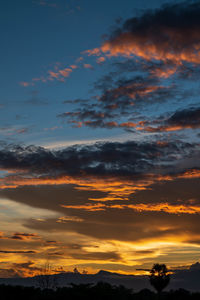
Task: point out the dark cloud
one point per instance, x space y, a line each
182 119
84 114
100 159
143 252
24 236
76 101
20 236
187 118
50 197
177 39
126 92
52 242
56 254
18 252
171 192
112 224
119 98
112 256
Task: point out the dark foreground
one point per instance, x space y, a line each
100 291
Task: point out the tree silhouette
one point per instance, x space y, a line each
159 277
45 280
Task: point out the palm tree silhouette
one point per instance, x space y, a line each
159 277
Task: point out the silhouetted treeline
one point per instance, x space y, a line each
100 291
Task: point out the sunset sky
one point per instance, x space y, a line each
99 135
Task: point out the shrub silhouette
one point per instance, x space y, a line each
159 277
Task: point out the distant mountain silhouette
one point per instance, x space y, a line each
185 279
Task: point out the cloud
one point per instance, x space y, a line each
126 167
156 219
105 256
75 101
19 270
18 252
1 235
159 207
58 73
119 103
100 159
63 72
146 229
66 219
88 66
101 60
24 236
11 130
25 83
176 41
20 236
84 114
182 119
187 118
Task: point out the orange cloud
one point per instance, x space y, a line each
73 66
59 74
165 207
100 60
131 90
25 83
54 74
128 124
88 66
141 207
193 173
115 189
20 269
1 235
165 72
88 207
175 43
65 72
95 51
166 128
130 45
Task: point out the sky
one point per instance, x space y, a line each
99 135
